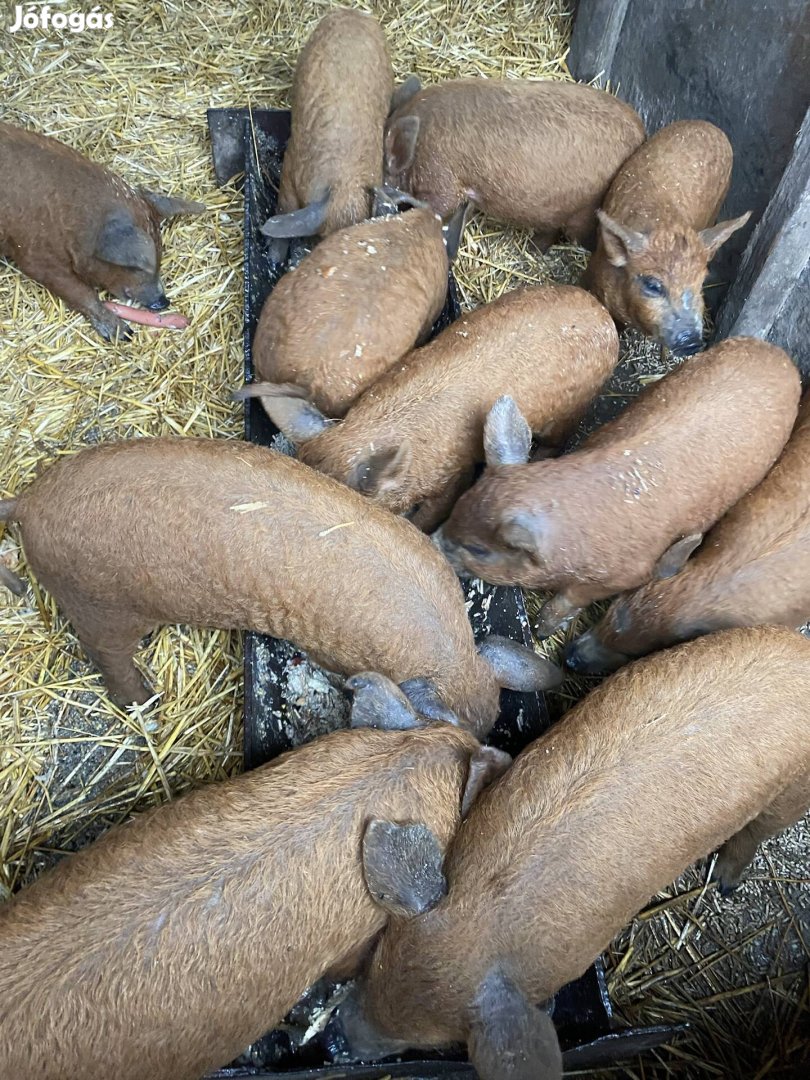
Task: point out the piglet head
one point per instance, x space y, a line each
127 252
509 1037
489 535
362 1038
660 274
674 606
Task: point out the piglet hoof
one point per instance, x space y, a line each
134 692
726 877
727 873
110 327
732 860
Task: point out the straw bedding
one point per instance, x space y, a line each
134 98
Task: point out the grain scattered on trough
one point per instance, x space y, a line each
134 98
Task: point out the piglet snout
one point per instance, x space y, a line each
450 552
686 343
588 656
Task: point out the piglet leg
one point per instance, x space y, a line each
543 239
83 298
737 853
555 614
110 639
581 227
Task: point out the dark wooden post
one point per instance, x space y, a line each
770 296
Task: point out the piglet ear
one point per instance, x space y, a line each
308 221
402 865
520 530
425 698
510 1038
620 242
382 470
379 703
167 206
507 435
404 92
486 765
400 144
453 229
716 236
287 406
122 243
674 558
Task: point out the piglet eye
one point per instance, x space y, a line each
651 286
476 550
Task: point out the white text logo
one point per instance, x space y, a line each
34 17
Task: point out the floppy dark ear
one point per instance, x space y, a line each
424 697
620 242
520 530
507 435
121 243
674 558
453 230
304 222
404 92
517 667
400 144
287 406
167 206
378 471
486 765
379 703
402 865
511 1039
716 236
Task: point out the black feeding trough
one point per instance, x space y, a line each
252 142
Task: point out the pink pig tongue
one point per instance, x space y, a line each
158 320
